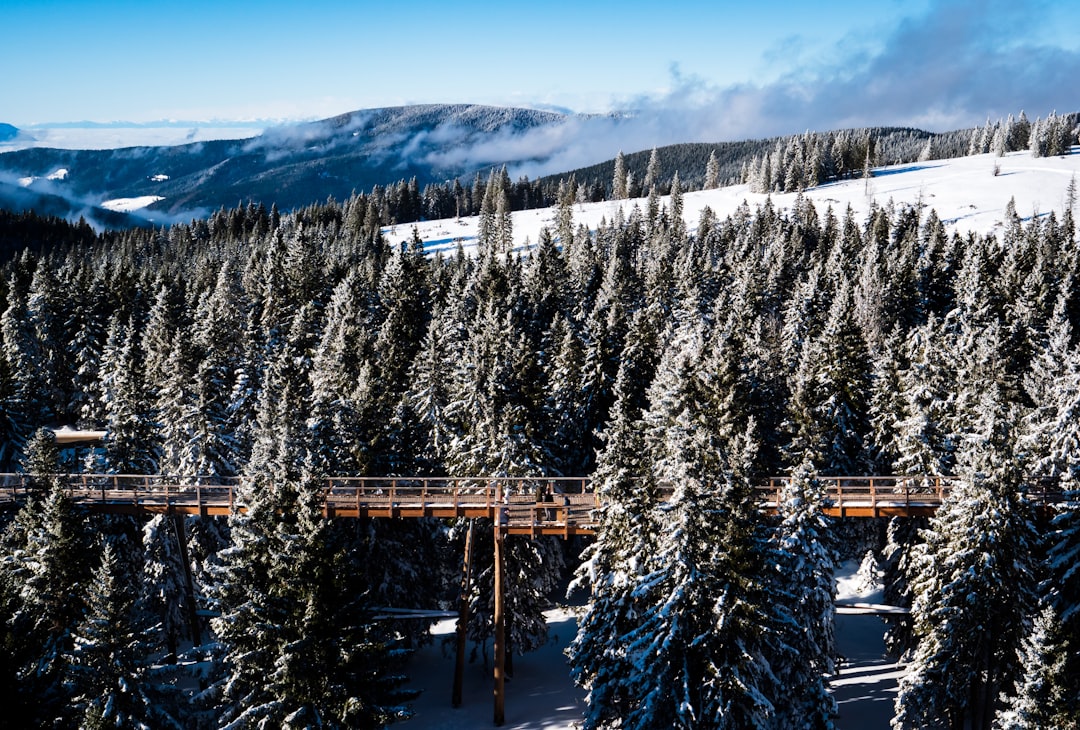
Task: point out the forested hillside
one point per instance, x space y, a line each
288 166
420 162
288 347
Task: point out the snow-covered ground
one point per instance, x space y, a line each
126 205
965 192
866 685
541 696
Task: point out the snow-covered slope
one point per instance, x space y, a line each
965 192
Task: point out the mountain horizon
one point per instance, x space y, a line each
299 164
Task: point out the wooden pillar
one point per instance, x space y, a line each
189 586
500 631
463 619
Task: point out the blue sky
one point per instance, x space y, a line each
723 70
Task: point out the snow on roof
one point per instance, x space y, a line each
70 435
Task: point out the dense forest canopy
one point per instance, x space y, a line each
288 347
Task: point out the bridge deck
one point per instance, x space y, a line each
532 506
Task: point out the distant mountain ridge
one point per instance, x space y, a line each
8 132
296 165
289 166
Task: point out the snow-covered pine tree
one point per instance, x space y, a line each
902 548
51 375
109 669
829 395
1051 442
428 396
973 586
297 648
24 408
618 180
404 295
612 565
130 431
175 408
805 589
885 407
47 565
86 323
217 339
696 654
163 593
712 172
495 406
1046 695
564 406
923 443
1063 640
652 172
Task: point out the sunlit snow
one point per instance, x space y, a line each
965 192
542 696
126 205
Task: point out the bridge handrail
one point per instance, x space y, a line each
851 491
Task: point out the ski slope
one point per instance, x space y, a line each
965 192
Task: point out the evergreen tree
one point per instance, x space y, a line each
829 397
923 440
112 681
696 652
24 407
972 583
130 443
712 172
619 179
614 563
162 593
1045 697
806 587
298 650
652 172
49 566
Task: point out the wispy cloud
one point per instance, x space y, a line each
951 67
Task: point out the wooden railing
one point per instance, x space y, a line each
525 505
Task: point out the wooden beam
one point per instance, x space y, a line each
463 619
189 585
500 629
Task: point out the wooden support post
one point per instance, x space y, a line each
500 631
463 619
189 586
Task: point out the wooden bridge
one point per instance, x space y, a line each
521 505
516 506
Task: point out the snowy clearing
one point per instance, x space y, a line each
126 205
965 192
540 696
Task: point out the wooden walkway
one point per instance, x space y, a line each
516 506
523 506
